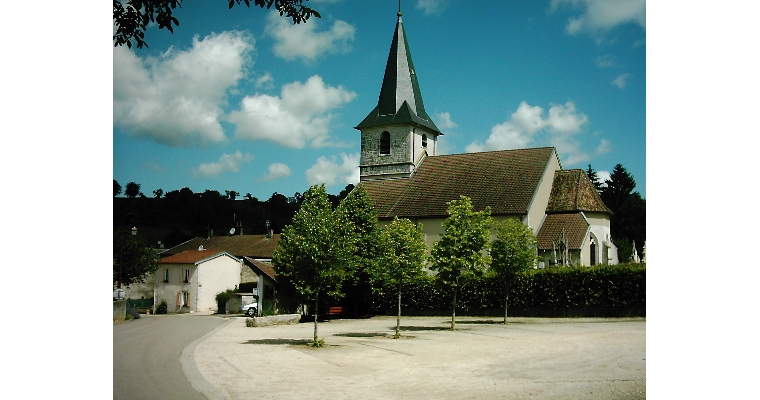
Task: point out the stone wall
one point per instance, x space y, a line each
119 310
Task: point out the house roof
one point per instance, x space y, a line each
253 246
505 180
263 267
400 100
193 256
574 226
572 191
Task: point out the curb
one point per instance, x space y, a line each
193 374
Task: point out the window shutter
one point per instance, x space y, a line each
188 299
179 299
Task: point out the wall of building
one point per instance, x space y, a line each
537 207
216 276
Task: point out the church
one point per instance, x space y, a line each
406 178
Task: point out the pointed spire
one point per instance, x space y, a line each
400 100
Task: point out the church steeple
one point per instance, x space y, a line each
397 134
400 100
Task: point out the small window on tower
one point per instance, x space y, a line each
424 140
385 143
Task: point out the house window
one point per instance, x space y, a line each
424 140
183 299
593 252
186 276
385 143
166 275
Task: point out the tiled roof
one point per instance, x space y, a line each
504 180
573 224
190 256
264 267
254 246
573 191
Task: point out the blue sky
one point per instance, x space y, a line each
244 100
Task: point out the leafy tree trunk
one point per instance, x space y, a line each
506 303
454 307
316 316
398 316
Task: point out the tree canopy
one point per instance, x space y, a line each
362 218
130 18
133 260
315 249
403 256
628 221
513 251
461 247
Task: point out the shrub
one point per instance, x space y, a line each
161 309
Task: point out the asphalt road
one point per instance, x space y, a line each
147 353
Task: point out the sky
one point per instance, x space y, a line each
243 100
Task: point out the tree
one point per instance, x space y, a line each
133 190
116 188
628 221
231 194
158 193
513 251
133 260
618 187
314 250
403 256
594 178
461 247
131 18
358 210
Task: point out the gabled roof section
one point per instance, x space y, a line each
254 246
573 225
263 267
505 180
194 256
400 100
572 191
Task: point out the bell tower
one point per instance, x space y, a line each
397 134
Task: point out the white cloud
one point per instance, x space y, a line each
526 125
276 170
176 99
602 177
606 61
604 147
443 121
432 6
603 15
226 163
294 41
622 80
331 171
264 81
299 117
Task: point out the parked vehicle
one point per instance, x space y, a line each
249 309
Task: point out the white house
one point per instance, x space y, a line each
189 281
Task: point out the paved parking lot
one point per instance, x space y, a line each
591 358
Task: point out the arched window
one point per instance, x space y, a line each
385 143
424 141
593 252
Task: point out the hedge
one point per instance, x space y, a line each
558 287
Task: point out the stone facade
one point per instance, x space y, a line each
406 151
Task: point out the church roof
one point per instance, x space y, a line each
400 100
572 191
573 225
505 180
